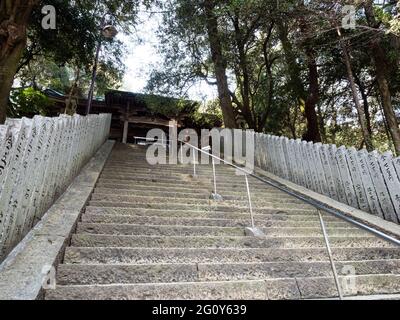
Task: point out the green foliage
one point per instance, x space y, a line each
169 107
29 102
53 56
208 117
257 62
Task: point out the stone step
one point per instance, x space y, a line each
244 222
159 177
152 232
206 177
199 194
211 206
231 183
171 170
135 230
93 240
170 230
276 215
149 183
189 184
186 188
140 192
154 188
133 170
256 201
141 164
136 166
184 181
278 289
77 255
238 185
358 285
164 273
244 290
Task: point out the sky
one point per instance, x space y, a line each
142 57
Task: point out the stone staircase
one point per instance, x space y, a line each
153 233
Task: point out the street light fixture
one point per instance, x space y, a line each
107 32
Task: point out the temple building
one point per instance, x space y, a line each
133 114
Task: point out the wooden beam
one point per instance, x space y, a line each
148 120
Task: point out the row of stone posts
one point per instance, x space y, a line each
366 181
39 159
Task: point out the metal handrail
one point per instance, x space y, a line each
216 196
151 140
314 203
250 204
328 247
309 201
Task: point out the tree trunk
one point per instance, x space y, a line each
360 109
365 103
387 105
14 18
322 128
220 65
297 85
312 133
382 75
385 124
70 108
270 86
245 83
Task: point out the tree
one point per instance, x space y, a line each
14 19
360 110
220 64
291 69
296 83
72 43
383 76
29 102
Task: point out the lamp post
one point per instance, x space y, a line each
107 32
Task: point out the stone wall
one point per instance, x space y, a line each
366 181
39 159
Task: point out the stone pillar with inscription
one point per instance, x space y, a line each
346 177
380 186
353 164
326 167
392 183
369 187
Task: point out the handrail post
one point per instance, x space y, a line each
194 163
328 247
215 177
181 152
312 202
215 195
250 204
